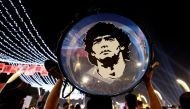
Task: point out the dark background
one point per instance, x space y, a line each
165 22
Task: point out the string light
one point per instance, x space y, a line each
19 51
50 79
5 58
23 51
24 78
29 30
53 79
23 40
14 36
31 48
35 29
47 77
37 79
19 57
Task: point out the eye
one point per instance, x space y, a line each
109 38
97 41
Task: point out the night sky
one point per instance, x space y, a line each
165 22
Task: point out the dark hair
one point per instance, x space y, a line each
99 102
77 106
13 99
185 100
101 29
65 104
131 100
15 94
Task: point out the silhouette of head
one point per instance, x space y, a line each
185 100
99 102
77 106
66 105
131 100
15 97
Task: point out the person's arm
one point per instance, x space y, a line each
53 98
154 101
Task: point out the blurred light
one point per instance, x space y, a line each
39 91
85 79
158 94
145 105
117 103
77 66
82 106
144 98
140 97
183 84
76 95
139 64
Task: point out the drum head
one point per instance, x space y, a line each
104 54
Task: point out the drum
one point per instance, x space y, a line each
104 54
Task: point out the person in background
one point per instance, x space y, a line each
66 105
12 99
53 98
154 101
99 102
71 106
77 106
41 104
131 99
139 104
185 100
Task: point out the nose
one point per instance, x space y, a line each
104 46
104 43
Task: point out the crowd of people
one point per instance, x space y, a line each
14 98
105 102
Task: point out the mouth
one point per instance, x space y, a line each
105 52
